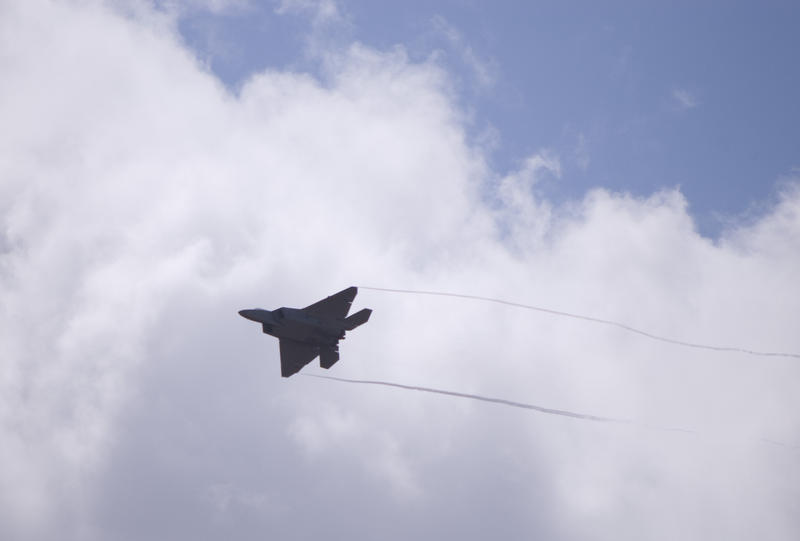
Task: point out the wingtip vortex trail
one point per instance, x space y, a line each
502 401
593 320
549 411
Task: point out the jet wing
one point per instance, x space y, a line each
334 307
295 355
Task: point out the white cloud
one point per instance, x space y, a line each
684 99
581 153
143 205
217 7
321 11
524 218
483 69
330 27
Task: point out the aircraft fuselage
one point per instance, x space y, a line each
314 331
295 324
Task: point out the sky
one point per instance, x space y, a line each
634 97
166 164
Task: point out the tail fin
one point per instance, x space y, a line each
359 318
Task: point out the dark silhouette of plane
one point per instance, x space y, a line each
315 330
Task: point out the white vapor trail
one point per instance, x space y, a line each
589 318
533 407
479 397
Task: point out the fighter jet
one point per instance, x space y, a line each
315 330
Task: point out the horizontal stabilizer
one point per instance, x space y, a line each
359 318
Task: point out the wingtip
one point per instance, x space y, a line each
352 290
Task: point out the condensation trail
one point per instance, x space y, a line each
478 397
589 318
540 409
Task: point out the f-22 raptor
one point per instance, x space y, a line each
315 330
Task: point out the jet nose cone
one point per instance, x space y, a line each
248 314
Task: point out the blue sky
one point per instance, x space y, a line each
632 97
445 147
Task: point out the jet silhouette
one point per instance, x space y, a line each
305 333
